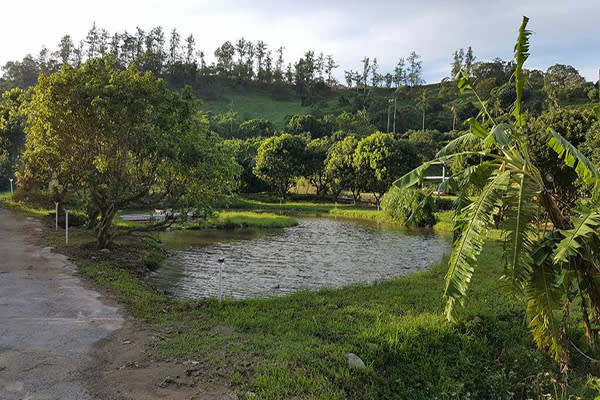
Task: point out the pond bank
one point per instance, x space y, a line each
295 346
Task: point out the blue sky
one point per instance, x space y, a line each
564 31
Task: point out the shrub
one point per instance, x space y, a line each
412 207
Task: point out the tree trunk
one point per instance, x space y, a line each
556 216
395 101
104 227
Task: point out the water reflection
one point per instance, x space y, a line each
319 252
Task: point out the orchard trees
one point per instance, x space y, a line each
280 160
380 159
119 137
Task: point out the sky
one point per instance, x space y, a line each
565 32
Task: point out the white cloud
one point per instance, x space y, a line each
564 31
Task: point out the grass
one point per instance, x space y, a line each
294 347
244 219
257 106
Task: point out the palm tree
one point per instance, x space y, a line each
548 267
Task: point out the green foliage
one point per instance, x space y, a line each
340 167
427 143
411 207
256 127
380 159
153 260
245 152
548 269
279 161
306 123
576 126
315 166
118 137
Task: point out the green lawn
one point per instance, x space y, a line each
295 347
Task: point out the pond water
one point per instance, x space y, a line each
318 253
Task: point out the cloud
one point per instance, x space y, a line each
349 30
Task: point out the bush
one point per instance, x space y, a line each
153 260
410 206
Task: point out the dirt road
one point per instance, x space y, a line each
49 321
61 340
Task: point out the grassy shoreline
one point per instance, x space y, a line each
295 346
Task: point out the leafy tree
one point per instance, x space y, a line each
279 161
380 159
414 72
257 127
12 135
426 142
224 55
245 155
306 123
574 125
314 164
120 137
340 167
547 266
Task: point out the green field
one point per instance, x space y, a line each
295 346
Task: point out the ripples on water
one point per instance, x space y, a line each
319 252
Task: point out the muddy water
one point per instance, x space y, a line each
319 252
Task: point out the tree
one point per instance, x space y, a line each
314 164
280 160
340 167
423 105
65 49
457 63
224 55
415 67
306 123
174 47
12 135
380 159
426 142
245 155
469 60
547 266
330 65
257 127
559 178
399 73
92 40
121 137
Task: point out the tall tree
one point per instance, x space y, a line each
92 40
330 65
279 162
190 49
400 73
65 49
174 47
415 67
117 137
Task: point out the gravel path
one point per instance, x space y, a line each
49 320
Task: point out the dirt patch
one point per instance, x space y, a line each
129 372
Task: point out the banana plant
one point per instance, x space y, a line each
549 258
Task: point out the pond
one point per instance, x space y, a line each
318 253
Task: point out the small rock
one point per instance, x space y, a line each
105 251
126 341
354 361
274 286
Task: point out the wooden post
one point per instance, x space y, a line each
66 226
